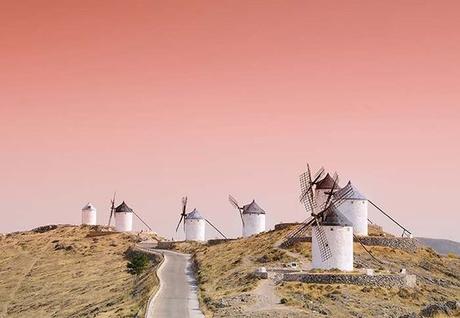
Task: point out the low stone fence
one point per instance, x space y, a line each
281 226
166 245
401 243
218 241
384 280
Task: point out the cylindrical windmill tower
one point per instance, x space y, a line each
194 227
123 218
253 219
88 215
332 242
322 189
354 208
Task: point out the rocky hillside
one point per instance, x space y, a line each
229 288
69 271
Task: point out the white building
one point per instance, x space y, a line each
335 231
123 218
253 219
322 190
88 215
194 227
354 208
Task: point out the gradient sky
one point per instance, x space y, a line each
160 99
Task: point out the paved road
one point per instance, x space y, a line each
177 296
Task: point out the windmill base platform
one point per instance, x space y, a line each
381 280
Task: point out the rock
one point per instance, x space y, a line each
411 315
46 228
59 246
448 308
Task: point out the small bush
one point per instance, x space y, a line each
138 263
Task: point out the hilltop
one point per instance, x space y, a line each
229 288
71 271
441 246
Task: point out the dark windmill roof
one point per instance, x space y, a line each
252 208
194 215
123 207
334 218
354 193
89 206
326 183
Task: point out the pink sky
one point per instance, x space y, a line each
160 99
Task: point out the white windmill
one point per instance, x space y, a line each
332 234
123 218
252 217
88 215
354 208
323 187
194 224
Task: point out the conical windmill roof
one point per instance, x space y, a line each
252 208
326 183
88 206
123 207
334 218
194 215
353 194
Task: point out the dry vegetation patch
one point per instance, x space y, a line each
70 271
438 280
224 273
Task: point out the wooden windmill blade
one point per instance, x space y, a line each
215 228
183 214
309 182
306 189
321 239
318 175
298 231
331 192
341 196
236 205
178 224
112 209
309 203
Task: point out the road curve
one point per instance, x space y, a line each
177 295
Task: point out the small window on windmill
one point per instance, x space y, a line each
332 229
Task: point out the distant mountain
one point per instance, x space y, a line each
441 246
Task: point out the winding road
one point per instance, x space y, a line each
177 295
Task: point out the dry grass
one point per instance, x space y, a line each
66 273
226 270
438 280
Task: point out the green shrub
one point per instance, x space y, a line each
138 263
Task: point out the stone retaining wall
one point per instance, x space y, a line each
387 280
281 226
401 243
218 241
165 245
